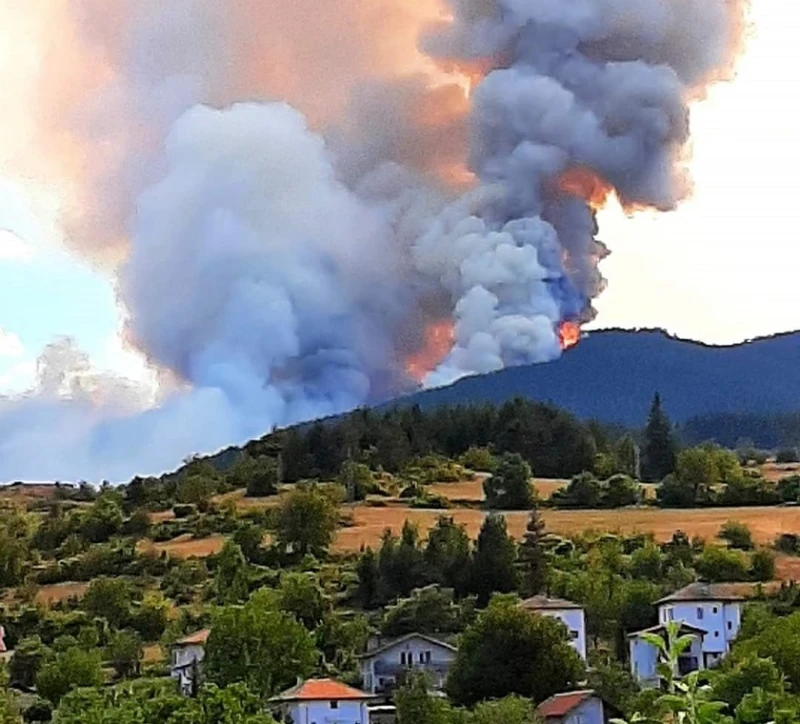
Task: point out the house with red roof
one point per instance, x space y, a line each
576 707
187 656
322 701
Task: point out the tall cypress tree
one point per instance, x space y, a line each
660 447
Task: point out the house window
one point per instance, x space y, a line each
730 625
716 634
427 657
574 635
334 704
715 609
700 613
402 658
422 657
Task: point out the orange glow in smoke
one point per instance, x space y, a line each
569 334
439 338
584 183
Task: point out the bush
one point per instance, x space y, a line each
479 459
184 510
720 565
762 565
509 487
737 535
787 455
787 543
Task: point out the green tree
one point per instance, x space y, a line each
721 565
762 565
415 705
447 555
9 711
369 578
156 702
736 535
230 578
260 645
195 489
300 595
620 491
626 457
103 520
509 486
26 661
357 480
510 710
429 610
479 459
108 598
68 670
494 561
532 556
511 651
151 617
125 652
660 448
306 521
583 491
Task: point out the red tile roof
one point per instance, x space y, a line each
562 704
198 638
321 690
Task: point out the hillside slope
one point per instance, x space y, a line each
612 375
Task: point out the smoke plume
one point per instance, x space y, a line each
309 206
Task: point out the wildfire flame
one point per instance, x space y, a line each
584 183
569 334
439 337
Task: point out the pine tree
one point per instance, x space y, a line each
532 556
660 448
493 564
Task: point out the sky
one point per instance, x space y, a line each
722 268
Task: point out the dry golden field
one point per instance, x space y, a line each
765 523
57 592
185 546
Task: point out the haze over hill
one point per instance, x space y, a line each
612 376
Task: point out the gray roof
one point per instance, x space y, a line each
402 639
544 603
704 592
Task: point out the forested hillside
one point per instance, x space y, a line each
612 375
292 554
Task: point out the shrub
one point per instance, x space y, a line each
184 510
737 535
762 565
787 455
719 565
478 458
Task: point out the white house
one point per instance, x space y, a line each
570 614
381 667
187 655
712 611
322 701
576 707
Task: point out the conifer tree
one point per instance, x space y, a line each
660 448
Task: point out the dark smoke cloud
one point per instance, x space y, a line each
283 266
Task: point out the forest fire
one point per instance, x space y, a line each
439 338
569 334
584 183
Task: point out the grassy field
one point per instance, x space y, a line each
57 592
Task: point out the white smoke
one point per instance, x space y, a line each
281 274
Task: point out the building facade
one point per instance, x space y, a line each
712 613
187 657
570 614
322 701
383 666
576 707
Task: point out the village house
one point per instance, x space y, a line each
322 701
570 614
187 656
576 707
711 613
383 665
